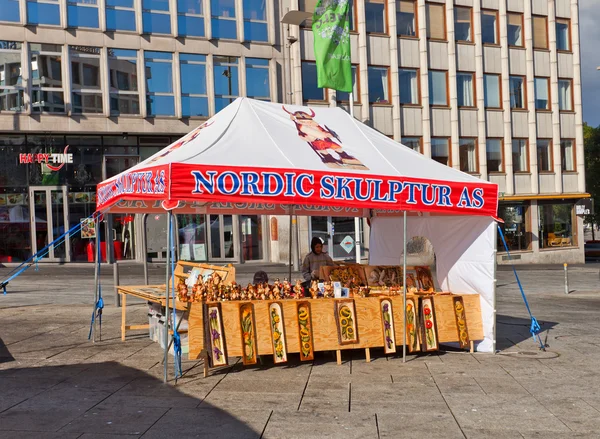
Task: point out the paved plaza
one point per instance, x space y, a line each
54 383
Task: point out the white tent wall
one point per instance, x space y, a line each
465 256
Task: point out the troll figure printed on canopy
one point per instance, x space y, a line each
324 141
185 139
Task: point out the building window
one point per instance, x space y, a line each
227 88
160 97
310 90
375 16
436 21
409 86
491 87
567 154
257 79
190 18
86 89
47 94
156 17
515 29
123 82
544 155
463 26
379 85
467 151
556 225
413 143
342 96
516 227
489 27
519 155
120 15
10 11
11 81
494 154
440 150
223 19
563 34
540 32
43 12
406 18
438 88
542 93
565 94
255 20
194 97
518 97
465 87
82 13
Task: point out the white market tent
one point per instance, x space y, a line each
257 157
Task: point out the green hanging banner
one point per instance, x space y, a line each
331 31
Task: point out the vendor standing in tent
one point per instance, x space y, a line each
313 262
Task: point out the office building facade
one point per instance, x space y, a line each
491 87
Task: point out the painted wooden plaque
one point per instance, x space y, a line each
345 316
277 333
218 351
412 326
305 332
387 317
425 279
461 321
248 325
429 340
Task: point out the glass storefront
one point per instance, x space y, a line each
556 224
516 227
338 236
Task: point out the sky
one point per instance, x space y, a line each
589 34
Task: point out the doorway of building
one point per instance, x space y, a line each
223 237
338 235
49 215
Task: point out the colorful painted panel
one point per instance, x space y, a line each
218 353
428 326
412 325
305 333
425 279
387 317
345 315
248 325
277 333
461 322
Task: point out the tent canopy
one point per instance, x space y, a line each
260 156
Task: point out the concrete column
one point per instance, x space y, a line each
173 15
66 78
142 84
479 71
26 75
556 157
102 15
363 63
239 19
104 81
534 216
577 95
62 4
273 81
23 12
242 76
394 61
454 121
504 54
177 85
210 84
207 20
138 21
424 72
295 62
528 31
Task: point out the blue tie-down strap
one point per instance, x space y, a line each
97 311
177 354
535 328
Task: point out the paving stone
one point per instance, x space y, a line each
46 418
115 420
436 426
319 425
233 401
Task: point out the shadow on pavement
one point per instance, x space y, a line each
5 355
112 399
514 330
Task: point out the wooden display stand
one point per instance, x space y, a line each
156 293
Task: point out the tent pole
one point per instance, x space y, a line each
145 248
495 282
98 255
290 236
404 287
166 340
